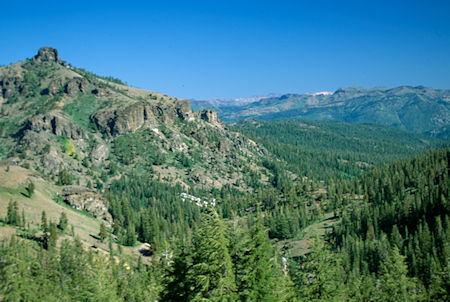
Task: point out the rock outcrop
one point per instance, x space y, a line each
56 124
99 153
209 116
48 54
82 198
76 85
132 117
51 163
11 84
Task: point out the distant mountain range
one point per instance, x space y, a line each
415 109
217 103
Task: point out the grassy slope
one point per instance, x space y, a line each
12 187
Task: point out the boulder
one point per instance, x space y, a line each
82 198
53 87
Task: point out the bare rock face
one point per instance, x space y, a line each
132 117
99 154
122 120
56 124
209 116
48 54
82 198
35 141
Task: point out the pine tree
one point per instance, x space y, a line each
53 236
210 277
12 215
259 277
44 223
103 234
175 279
23 222
130 236
395 285
45 230
321 277
63 222
30 189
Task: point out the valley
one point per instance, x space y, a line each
113 193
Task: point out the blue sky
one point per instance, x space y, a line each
206 49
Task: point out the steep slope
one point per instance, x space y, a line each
55 118
414 109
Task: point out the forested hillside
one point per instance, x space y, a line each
331 150
391 245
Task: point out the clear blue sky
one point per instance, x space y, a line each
205 49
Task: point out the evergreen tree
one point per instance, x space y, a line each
44 223
320 276
12 215
103 234
130 236
63 222
30 189
257 273
175 279
52 236
395 285
210 277
23 222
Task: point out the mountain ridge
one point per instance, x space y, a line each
54 117
415 109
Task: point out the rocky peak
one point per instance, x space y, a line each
48 54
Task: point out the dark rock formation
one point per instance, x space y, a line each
82 198
209 116
10 84
48 54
